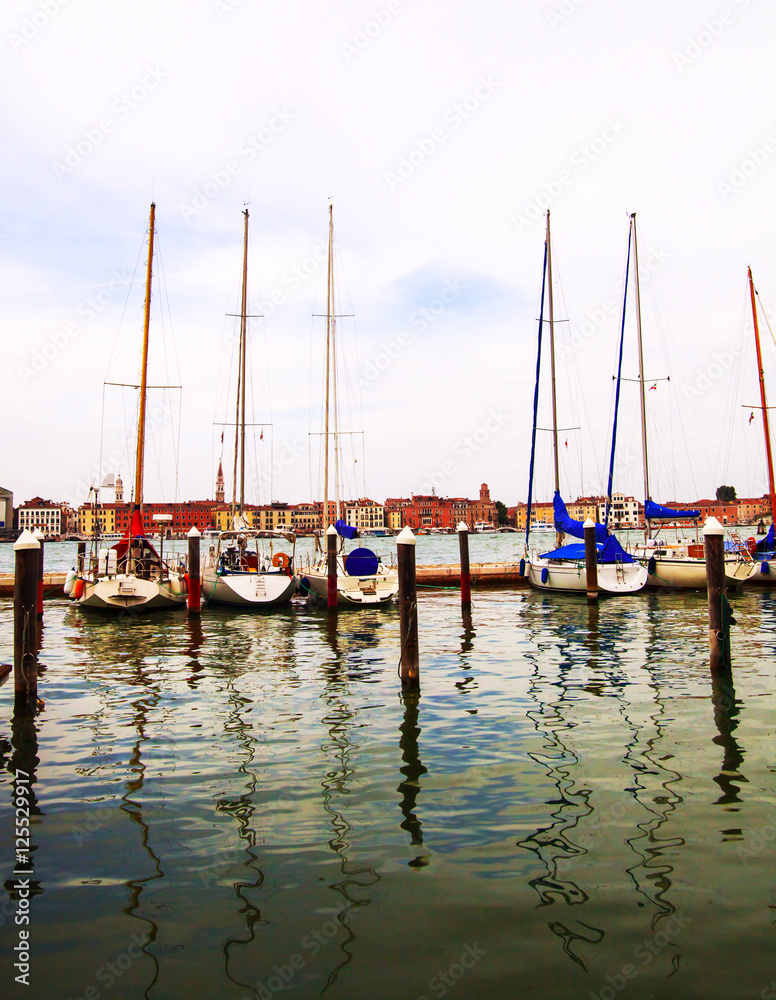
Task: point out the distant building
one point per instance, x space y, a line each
624 512
6 510
365 514
43 514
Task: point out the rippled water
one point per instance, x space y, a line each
245 805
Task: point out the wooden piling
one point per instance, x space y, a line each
39 536
408 611
719 631
25 624
591 560
466 576
194 594
331 567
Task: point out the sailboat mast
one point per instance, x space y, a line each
243 353
642 391
329 332
761 376
144 367
559 534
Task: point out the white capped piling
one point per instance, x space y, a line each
331 567
466 576
38 534
193 595
719 631
408 611
591 560
25 624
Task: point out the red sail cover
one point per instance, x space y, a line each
135 532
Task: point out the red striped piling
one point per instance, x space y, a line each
719 631
38 534
331 567
466 576
25 625
591 560
193 594
408 611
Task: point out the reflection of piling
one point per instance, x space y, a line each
719 612
193 596
25 624
408 611
591 560
466 577
331 567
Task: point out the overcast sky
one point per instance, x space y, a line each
441 130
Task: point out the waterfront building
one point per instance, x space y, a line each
365 515
43 514
624 512
6 510
306 518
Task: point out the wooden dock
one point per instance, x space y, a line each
443 575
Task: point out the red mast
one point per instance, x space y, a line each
761 375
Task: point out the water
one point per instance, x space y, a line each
245 806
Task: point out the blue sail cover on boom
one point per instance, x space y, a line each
571 527
654 512
608 552
346 530
766 545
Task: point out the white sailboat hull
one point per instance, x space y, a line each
354 590
124 593
247 590
561 575
683 572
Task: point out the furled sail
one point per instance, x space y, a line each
654 512
571 527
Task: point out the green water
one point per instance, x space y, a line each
245 806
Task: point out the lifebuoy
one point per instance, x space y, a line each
281 560
751 544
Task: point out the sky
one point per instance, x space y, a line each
440 131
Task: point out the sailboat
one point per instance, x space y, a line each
244 569
131 575
563 569
764 552
362 578
682 564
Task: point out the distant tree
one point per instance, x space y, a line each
726 494
502 512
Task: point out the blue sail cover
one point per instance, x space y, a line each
345 530
767 544
571 527
654 512
608 552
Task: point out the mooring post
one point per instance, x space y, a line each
194 596
25 623
39 536
80 558
719 631
408 611
331 567
466 576
591 560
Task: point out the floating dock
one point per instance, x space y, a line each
443 575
